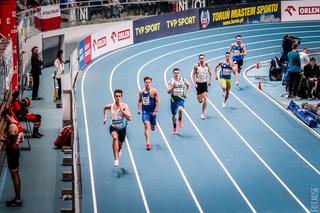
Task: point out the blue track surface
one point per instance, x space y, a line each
230 162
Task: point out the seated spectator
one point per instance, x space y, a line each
312 74
21 5
304 57
22 113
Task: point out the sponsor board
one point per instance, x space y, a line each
48 18
239 14
111 38
165 25
300 10
85 52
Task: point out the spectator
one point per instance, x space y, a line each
33 3
36 63
21 5
22 113
14 134
294 70
59 70
312 74
304 57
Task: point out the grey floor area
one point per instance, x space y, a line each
40 168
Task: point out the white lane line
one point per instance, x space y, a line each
257 155
93 190
213 152
174 157
315 133
144 199
89 66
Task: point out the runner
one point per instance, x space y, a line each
227 66
179 88
120 114
150 101
200 73
239 50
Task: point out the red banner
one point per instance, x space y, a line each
8 29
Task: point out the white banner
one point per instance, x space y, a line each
50 11
300 10
112 38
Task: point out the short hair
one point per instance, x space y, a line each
6 112
238 36
295 45
176 69
227 53
313 59
117 91
147 78
202 55
305 48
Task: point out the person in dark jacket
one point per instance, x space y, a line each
294 70
36 64
312 73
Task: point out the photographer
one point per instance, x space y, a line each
287 46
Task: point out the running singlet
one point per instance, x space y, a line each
178 89
225 71
19 137
202 74
148 102
236 52
118 120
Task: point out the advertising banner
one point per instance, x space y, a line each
111 38
49 18
300 10
165 25
85 52
239 14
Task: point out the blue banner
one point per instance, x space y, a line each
239 14
165 25
81 54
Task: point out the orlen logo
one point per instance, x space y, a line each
289 9
122 35
312 10
102 42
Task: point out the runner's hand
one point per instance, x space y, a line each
195 85
104 121
237 83
138 112
154 113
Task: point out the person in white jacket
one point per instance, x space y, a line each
59 70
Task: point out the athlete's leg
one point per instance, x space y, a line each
146 131
115 144
199 97
204 104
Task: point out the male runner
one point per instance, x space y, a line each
200 73
149 100
239 50
227 66
120 114
179 88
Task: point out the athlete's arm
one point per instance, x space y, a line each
170 87
105 110
186 82
157 98
230 49
235 72
194 72
244 53
125 111
216 70
139 103
210 74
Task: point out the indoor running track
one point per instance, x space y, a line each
248 157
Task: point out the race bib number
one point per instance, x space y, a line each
236 52
226 72
146 100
